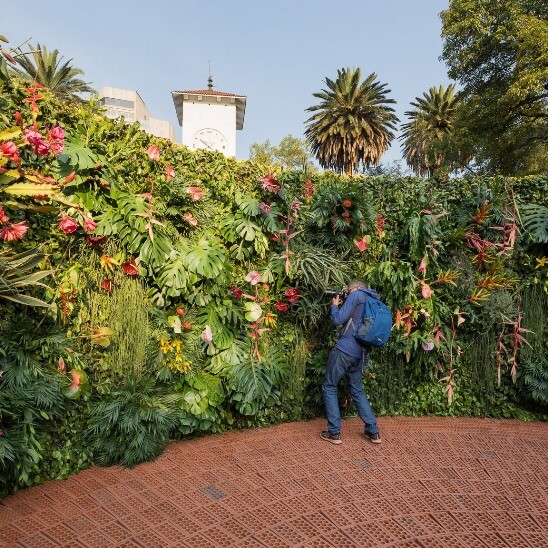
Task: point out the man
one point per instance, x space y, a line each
347 360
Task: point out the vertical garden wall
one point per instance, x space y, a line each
148 293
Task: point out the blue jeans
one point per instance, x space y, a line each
341 365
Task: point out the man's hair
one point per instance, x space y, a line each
359 284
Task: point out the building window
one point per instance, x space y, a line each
118 102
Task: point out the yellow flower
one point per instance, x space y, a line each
541 262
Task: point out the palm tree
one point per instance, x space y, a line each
427 143
352 124
45 68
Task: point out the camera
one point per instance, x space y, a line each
343 293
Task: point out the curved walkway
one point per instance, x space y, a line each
433 482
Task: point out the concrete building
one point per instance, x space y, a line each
127 103
210 118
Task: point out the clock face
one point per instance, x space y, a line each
210 139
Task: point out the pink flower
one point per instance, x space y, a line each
153 152
130 268
195 192
253 277
236 291
18 118
292 294
10 150
89 224
62 366
428 346
426 291
68 225
265 208
57 147
422 266
207 335
361 244
270 183
295 205
308 189
13 231
281 307
189 218
57 133
3 217
34 138
170 173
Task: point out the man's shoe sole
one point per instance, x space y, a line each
334 442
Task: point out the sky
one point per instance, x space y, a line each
275 52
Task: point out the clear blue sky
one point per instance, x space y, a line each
276 52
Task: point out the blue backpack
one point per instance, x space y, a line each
376 323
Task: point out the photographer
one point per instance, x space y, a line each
347 360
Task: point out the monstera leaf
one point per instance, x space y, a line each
535 220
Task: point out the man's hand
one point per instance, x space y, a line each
336 300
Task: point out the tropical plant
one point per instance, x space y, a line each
132 423
16 274
352 124
427 137
46 68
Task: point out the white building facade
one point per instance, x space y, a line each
210 118
127 103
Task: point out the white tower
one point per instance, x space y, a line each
210 118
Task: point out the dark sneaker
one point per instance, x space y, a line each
331 438
373 438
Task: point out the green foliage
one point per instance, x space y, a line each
497 51
352 124
132 423
291 153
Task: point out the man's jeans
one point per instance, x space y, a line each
341 365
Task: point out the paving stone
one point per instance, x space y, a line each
434 482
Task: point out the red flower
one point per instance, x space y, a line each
361 244
292 294
195 192
170 173
180 311
347 203
18 118
130 268
10 150
3 217
237 292
96 241
281 307
106 285
187 326
13 231
308 189
270 183
153 152
89 224
68 225
70 177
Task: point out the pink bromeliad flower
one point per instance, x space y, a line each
14 231
68 225
89 224
270 183
195 192
34 138
153 152
170 173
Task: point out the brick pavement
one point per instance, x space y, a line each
433 482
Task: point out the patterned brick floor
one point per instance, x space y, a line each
433 483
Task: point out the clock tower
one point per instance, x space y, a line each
210 118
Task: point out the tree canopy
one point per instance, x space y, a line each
46 68
498 51
292 153
352 124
